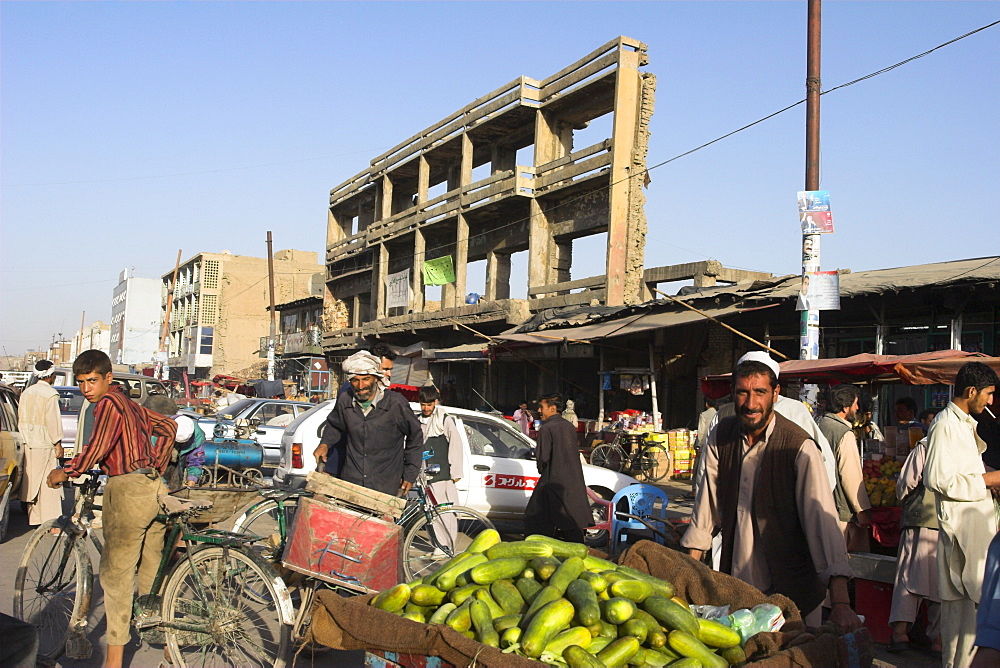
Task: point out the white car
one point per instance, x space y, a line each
499 471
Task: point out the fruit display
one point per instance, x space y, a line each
553 602
880 480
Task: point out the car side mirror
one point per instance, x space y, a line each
135 393
530 454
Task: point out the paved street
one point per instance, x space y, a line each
141 655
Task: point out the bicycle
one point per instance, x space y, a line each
221 604
649 460
427 540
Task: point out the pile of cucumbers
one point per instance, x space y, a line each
550 600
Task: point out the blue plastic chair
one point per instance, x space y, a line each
643 501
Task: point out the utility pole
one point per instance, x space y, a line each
274 328
809 324
79 345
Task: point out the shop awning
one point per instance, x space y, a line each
469 352
632 324
939 366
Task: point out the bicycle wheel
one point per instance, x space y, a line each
262 520
654 462
50 592
607 456
214 613
431 542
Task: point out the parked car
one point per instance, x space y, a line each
263 419
11 453
499 474
71 400
135 385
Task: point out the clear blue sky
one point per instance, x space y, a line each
131 130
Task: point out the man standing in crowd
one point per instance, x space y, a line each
41 425
792 409
440 431
849 496
906 411
522 416
916 562
384 444
121 444
966 511
766 489
559 506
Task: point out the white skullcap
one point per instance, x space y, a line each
362 363
185 428
763 358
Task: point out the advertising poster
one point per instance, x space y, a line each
810 253
819 291
814 200
816 222
397 289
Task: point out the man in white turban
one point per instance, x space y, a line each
384 443
40 422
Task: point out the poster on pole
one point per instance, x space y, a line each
439 271
397 288
819 291
816 222
814 200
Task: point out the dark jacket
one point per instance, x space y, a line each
383 447
559 500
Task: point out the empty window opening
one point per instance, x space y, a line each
590 256
596 131
519 275
475 282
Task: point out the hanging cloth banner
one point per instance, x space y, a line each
439 271
397 289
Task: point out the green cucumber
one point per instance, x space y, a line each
619 652
561 548
569 571
544 625
506 594
584 600
671 615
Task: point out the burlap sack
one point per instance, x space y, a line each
350 623
794 645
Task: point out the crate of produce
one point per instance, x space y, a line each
344 546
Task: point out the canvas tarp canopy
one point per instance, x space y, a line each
939 366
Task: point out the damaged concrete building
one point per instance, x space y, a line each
515 173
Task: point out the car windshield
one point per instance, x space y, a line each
70 399
231 411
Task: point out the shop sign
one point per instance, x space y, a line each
510 481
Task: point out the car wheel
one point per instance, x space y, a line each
597 537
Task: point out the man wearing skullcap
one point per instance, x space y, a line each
767 492
384 443
41 425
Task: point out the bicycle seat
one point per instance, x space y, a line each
174 507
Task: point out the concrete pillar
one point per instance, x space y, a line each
628 89
380 275
384 203
417 276
539 246
461 258
563 261
423 179
497 276
465 175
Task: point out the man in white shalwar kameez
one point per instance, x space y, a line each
966 510
40 422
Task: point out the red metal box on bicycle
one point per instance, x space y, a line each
343 546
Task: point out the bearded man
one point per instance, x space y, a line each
766 489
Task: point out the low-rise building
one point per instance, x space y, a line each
218 308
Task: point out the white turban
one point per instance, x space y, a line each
185 428
763 358
44 373
362 363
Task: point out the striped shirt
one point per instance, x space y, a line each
121 440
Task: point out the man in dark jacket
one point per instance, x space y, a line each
384 440
558 506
